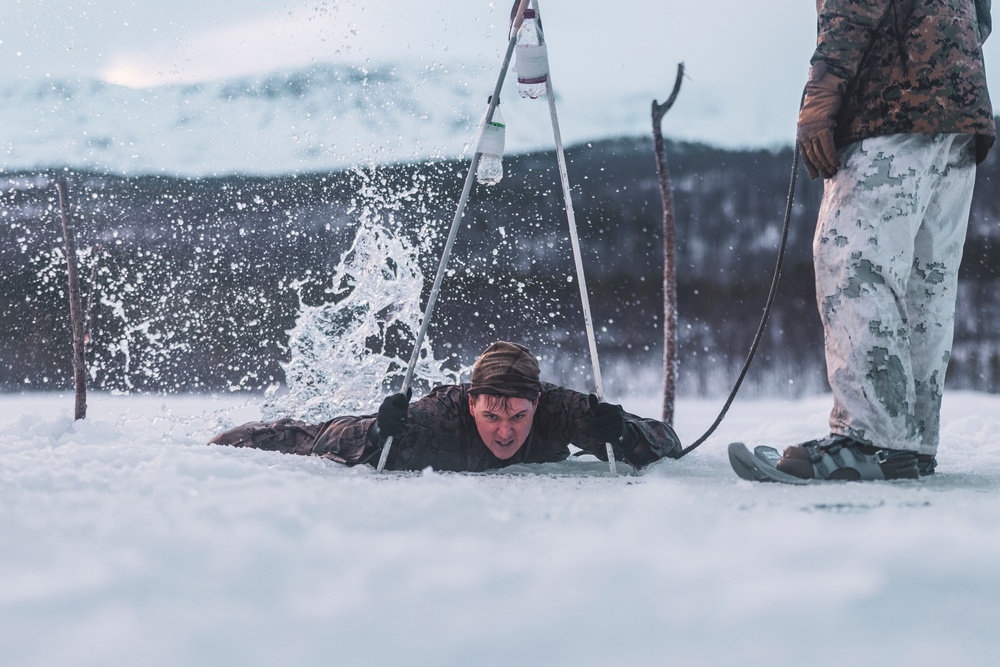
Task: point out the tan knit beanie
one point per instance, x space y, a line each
506 369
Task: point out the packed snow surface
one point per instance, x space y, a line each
128 541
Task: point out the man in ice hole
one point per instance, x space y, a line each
505 415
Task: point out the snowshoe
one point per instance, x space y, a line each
759 466
839 457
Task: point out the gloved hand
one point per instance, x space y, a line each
391 420
817 120
608 421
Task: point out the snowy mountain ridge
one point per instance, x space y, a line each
323 117
304 120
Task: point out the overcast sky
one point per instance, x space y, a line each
739 54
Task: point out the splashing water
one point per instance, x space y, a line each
347 353
137 342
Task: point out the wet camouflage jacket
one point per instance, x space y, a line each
912 66
442 434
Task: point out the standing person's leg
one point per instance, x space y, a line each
933 285
863 256
864 253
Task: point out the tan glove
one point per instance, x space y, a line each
817 120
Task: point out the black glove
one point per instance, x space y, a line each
608 421
391 420
817 120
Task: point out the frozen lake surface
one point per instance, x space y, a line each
127 541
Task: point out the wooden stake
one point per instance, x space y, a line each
75 304
669 256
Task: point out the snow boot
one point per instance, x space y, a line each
839 457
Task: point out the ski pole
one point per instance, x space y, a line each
575 242
459 212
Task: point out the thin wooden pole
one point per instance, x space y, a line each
75 303
670 363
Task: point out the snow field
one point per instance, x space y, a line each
127 541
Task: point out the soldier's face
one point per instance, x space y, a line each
503 423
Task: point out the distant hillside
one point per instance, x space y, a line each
196 280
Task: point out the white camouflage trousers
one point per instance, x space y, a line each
887 250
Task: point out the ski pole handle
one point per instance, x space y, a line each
383 457
612 468
407 392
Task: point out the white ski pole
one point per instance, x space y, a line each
575 241
446 253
